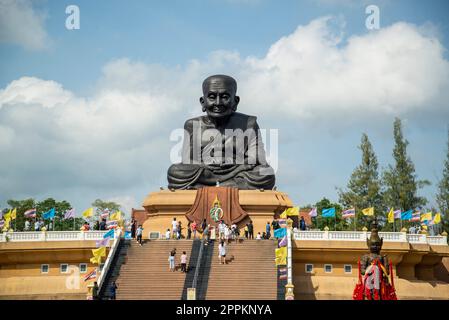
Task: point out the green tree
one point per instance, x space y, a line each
400 180
442 197
364 188
21 205
319 222
60 224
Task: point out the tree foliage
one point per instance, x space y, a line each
364 188
400 180
442 196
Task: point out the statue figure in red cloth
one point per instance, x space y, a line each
375 272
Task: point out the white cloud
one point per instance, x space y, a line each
117 141
21 24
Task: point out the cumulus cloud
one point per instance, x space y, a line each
21 24
117 140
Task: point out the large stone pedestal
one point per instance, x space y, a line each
238 207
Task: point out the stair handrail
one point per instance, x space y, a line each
108 262
198 263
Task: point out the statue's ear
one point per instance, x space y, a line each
237 100
202 104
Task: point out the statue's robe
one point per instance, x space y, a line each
206 162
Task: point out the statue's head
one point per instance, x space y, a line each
374 242
219 98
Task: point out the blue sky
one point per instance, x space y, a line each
150 57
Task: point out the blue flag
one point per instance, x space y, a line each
109 234
328 213
50 214
280 233
407 215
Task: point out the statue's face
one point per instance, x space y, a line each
375 246
219 99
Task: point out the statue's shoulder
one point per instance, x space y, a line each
251 121
189 122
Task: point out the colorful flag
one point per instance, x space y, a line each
397 214
313 212
88 213
348 213
426 216
50 214
283 242
104 215
128 235
109 234
95 260
100 252
14 214
437 219
281 256
368 211
280 233
391 216
116 215
111 224
91 275
407 215
282 273
2 223
293 211
328 213
69 214
102 243
282 223
30 213
283 215
416 216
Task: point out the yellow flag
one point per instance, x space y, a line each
100 252
95 260
426 216
391 216
6 226
437 218
116 216
281 256
283 215
368 211
293 211
424 227
14 214
88 213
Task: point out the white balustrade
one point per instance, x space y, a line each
417 238
362 236
108 262
51 236
437 240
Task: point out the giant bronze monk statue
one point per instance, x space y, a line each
222 147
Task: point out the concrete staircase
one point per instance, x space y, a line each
146 275
250 272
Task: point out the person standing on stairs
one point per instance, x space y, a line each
184 262
133 228
174 228
193 226
206 235
171 259
189 230
246 231
251 230
139 235
222 251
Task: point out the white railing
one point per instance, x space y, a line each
362 236
51 236
108 262
437 240
417 238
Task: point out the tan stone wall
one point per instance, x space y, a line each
20 269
